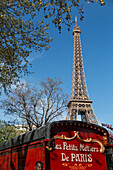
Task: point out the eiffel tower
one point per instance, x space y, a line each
79 103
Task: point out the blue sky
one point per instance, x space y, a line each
97 50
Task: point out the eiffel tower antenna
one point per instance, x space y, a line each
76 20
79 103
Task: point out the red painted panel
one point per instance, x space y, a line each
76 154
23 157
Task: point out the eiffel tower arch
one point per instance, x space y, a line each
79 103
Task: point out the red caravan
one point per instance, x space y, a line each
63 145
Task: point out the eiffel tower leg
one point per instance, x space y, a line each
75 114
68 115
93 117
72 114
88 117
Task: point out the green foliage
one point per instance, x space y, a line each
22 29
18 36
7 131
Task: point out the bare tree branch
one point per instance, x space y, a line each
36 107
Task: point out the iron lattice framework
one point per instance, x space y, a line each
79 103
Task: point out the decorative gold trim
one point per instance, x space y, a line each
77 166
76 134
90 140
62 137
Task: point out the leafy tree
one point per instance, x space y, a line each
18 36
7 131
20 32
36 107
